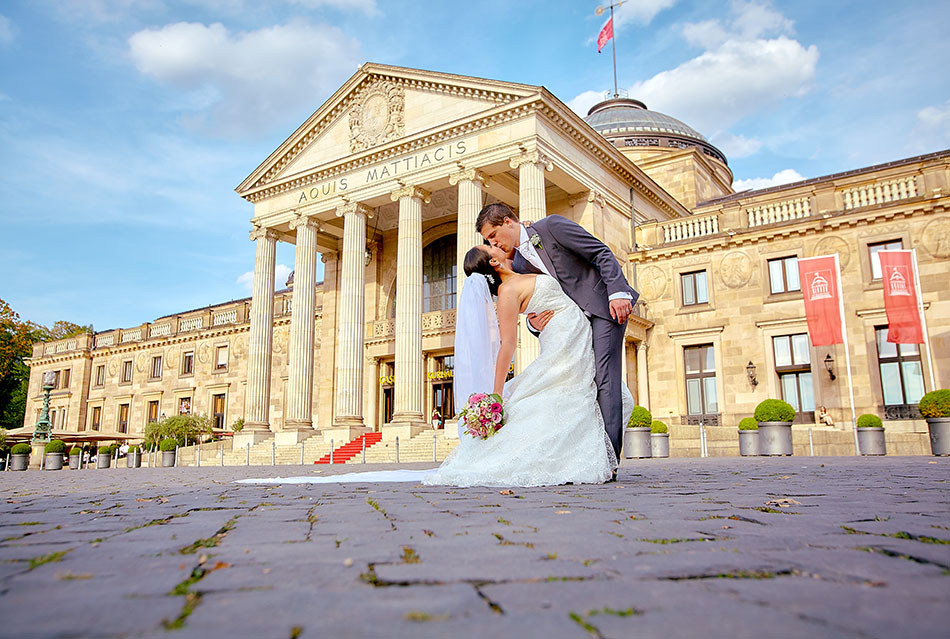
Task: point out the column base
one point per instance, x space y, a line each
343 434
252 437
404 429
293 437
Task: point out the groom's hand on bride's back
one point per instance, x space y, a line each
539 320
620 309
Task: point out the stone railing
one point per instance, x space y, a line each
71 345
50 349
690 228
131 335
225 317
381 329
105 340
879 192
61 347
160 330
191 324
795 209
433 321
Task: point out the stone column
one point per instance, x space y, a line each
299 401
261 338
643 384
532 206
348 398
470 183
409 391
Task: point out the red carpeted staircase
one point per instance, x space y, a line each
348 451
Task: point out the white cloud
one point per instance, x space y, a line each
582 103
785 176
639 11
281 273
246 78
366 6
736 146
6 31
933 127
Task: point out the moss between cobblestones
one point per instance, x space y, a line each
924 539
36 562
209 542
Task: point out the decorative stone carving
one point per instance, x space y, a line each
304 220
378 116
328 256
593 197
355 207
411 191
833 244
113 366
473 175
652 282
171 355
735 270
263 232
936 238
204 353
531 157
140 362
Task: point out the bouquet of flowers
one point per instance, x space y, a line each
483 415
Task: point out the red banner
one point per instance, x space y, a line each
605 35
819 280
900 297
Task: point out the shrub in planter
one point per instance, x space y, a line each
55 446
748 437
748 423
935 408
134 457
75 457
871 435
20 456
659 439
21 449
775 427
104 457
870 421
640 418
54 454
636 437
659 428
168 447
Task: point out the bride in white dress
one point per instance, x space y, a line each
554 432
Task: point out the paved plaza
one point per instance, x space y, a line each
714 547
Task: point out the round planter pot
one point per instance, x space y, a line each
871 441
74 462
133 460
54 461
660 444
636 442
939 435
168 458
775 438
19 462
103 461
748 442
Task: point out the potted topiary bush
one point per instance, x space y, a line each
775 427
104 457
871 435
659 439
935 408
748 436
133 458
20 456
168 447
54 454
75 457
636 437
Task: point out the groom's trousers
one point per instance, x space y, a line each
608 375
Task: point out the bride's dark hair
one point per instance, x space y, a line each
478 261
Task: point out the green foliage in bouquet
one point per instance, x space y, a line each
774 410
659 427
55 446
868 420
935 404
748 423
640 418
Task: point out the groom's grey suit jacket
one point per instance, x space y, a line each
585 268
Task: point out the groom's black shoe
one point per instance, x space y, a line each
613 477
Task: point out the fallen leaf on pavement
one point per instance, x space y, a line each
506 492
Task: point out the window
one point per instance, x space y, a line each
793 365
96 417
123 418
184 406
439 275
694 288
783 275
902 377
127 372
65 378
891 245
152 414
221 358
217 410
56 376
701 402
442 386
101 375
156 367
187 362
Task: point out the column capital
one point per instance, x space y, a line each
470 175
410 191
263 233
358 208
594 197
642 346
531 157
328 256
305 221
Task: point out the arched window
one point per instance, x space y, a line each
438 275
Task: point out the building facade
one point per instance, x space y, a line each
383 184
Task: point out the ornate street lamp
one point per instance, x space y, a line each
829 363
43 429
750 370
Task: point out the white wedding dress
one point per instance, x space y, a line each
554 431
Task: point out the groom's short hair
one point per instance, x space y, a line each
495 215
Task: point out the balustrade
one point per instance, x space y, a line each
191 324
880 192
225 317
775 212
131 335
105 340
690 228
160 330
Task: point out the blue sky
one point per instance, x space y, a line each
126 124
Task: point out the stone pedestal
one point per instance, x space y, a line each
292 437
36 457
252 437
340 435
404 430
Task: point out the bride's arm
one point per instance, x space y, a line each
508 330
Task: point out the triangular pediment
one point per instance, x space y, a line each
380 105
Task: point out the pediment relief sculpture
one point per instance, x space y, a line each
378 116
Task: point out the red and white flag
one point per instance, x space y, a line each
605 35
901 301
819 278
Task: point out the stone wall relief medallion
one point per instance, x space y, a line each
833 244
204 353
113 366
936 238
171 355
140 362
280 340
652 282
239 346
735 269
378 116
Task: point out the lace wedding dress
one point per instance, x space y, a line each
554 431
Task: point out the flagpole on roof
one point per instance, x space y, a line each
613 39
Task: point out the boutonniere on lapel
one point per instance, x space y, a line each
536 242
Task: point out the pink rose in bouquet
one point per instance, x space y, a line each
483 415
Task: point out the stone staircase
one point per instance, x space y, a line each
417 449
263 453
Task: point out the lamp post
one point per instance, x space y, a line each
43 429
829 364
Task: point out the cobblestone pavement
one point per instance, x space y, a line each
716 547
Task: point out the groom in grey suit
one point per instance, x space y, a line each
589 274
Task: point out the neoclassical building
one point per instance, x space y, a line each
383 183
